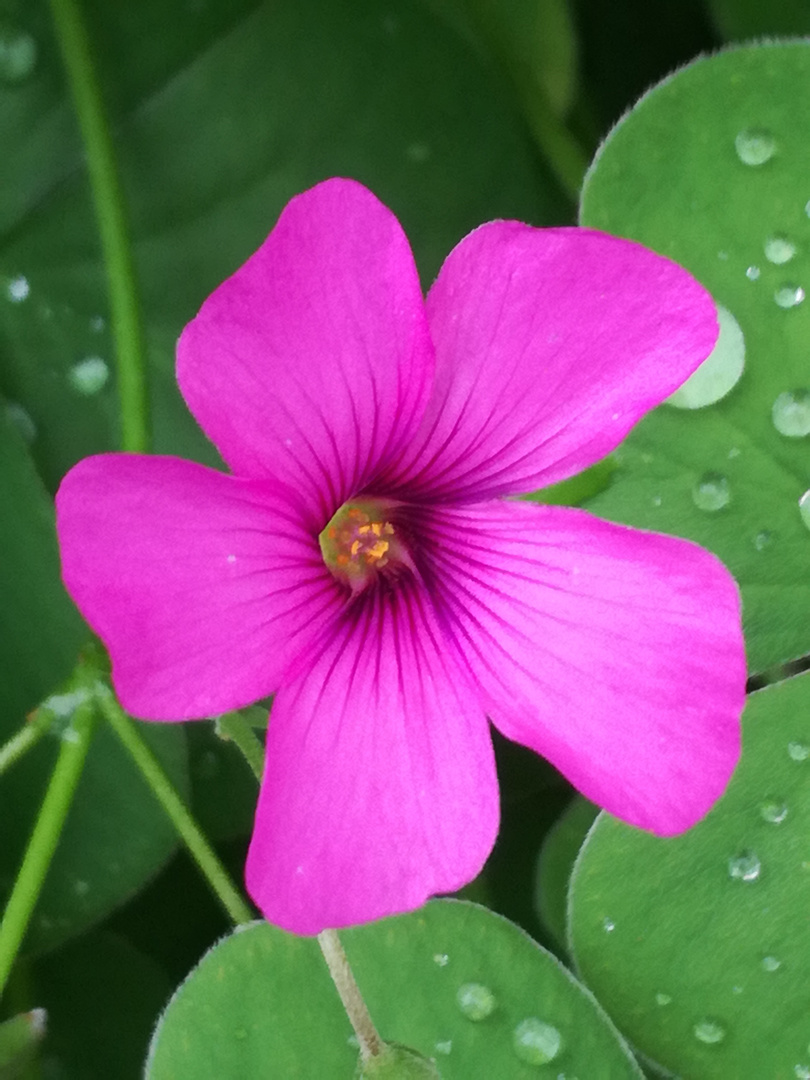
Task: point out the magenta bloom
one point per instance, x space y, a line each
362 563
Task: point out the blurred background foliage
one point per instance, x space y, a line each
454 112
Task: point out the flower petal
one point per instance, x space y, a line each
550 345
204 588
313 362
379 787
615 653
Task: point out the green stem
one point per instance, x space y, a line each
25 738
44 838
113 226
190 832
233 726
371 1045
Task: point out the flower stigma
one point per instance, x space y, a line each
359 541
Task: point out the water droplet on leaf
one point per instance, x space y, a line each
711 492
804 508
771 963
752 273
476 1001
791 413
755 146
773 811
720 371
18 54
709 1032
21 419
802 1072
788 296
442 959
608 925
798 751
89 375
535 1041
18 289
444 1047
663 999
744 867
763 539
779 249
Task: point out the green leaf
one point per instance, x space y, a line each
40 630
213 142
453 981
717 220
751 18
116 836
555 863
18 1040
698 945
224 790
101 995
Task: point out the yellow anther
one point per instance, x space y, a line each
355 547
365 529
377 551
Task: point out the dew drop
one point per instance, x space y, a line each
773 811
711 492
89 375
755 146
475 1000
791 413
802 1072
752 273
353 1041
804 508
744 867
719 372
444 1047
798 751
81 888
771 963
657 500
441 959
21 419
779 249
18 289
535 1041
608 925
97 324
788 296
18 54
709 1031
663 999
763 539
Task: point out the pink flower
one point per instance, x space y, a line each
351 410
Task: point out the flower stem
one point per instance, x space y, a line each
190 832
112 221
45 836
233 726
371 1045
26 737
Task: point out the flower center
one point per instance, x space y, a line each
360 541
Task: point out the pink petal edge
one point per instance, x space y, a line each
313 362
615 653
203 587
550 345
379 787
